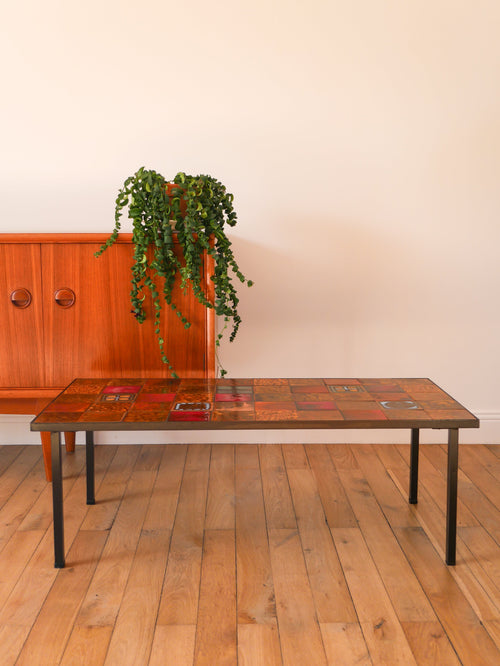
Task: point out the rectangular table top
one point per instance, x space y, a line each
251 403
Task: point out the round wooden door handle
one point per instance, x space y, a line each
20 298
65 297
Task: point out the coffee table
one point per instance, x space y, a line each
253 403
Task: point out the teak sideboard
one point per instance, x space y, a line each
65 313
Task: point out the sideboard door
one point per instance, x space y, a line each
90 330
21 316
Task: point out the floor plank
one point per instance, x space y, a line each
344 644
216 637
51 630
258 645
250 555
326 577
402 587
469 637
279 508
181 587
220 499
300 636
134 629
336 506
255 589
173 645
381 628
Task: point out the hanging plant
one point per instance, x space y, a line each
195 209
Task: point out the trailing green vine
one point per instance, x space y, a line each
195 209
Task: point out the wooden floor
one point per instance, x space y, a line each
250 555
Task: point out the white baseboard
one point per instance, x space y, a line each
14 429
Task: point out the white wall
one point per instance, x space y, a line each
361 139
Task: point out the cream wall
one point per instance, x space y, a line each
361 139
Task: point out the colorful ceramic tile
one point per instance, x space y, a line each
228 381
189 416
399 404
239 406
273 397
150 406
193 396
420 386
450 414
383 388
146 416
304 381
346 388
310 388
313 397
406 415
228 415
420 397
278 415
191 407
380 396
320 415
236 388
351 405
270 382
161 386
58 417
364 415
326 404
86 386
276 406
155 397
122 389
63 406
233 397
118 397
105 414
438 403
341 382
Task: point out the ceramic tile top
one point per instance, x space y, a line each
251 402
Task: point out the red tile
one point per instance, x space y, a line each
155 397
189 416
122 389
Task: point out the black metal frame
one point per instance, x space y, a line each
452 487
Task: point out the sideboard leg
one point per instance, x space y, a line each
69 440
57 500
451 510
89 451
415 440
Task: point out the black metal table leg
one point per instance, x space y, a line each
451 511
415 439
57 500
89 451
